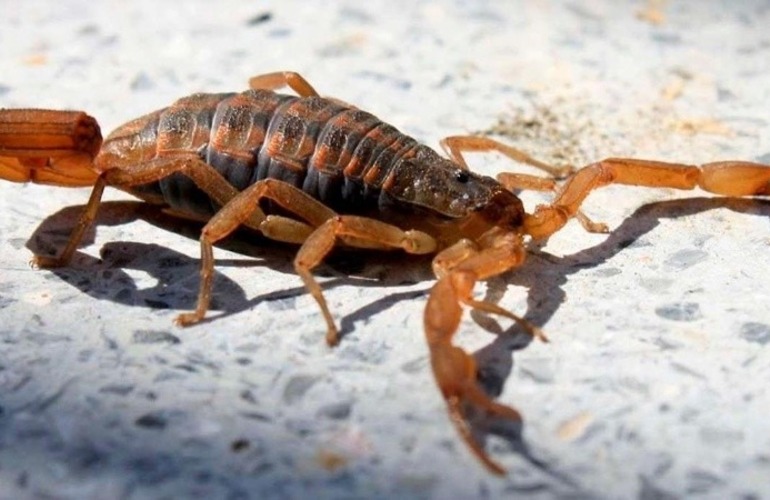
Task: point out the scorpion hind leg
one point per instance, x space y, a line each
278 79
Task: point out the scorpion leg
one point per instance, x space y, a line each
204 176
272 81
518 182
454 369
244 208
359 232
456 145
728 178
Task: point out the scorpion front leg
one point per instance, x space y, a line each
456 145
459 268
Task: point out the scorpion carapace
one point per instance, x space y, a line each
336 175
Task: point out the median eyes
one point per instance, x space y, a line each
462 176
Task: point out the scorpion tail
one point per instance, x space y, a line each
48 147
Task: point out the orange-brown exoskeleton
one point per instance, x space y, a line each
341 177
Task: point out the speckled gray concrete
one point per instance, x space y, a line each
654 385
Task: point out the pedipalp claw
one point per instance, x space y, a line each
455 372
464 429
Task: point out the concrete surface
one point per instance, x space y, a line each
654 384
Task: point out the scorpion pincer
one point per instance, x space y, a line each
340 177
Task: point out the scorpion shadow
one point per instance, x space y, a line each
543 276
175 276
107 277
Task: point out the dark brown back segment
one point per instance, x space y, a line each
334 152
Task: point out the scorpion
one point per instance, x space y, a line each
319 173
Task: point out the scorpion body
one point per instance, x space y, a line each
344 157
320 173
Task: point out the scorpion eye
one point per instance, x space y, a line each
462 176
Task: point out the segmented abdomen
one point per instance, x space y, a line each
332 151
